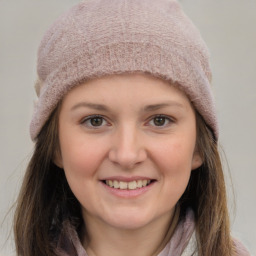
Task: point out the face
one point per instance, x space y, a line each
127 147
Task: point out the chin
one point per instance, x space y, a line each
130 221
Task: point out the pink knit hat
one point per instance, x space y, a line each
103 37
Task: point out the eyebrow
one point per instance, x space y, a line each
154 107
90 105
147 108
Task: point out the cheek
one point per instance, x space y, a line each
80 158
176 156
174 161
80 164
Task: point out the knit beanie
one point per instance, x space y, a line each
96 38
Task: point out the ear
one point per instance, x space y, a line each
57 160
197 161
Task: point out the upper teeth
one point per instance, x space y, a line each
127 185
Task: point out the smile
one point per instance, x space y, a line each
131 185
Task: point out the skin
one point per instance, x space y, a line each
128 141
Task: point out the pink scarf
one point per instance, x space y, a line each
69 243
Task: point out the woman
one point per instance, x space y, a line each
126 157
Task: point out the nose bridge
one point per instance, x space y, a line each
127 149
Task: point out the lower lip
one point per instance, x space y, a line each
128 193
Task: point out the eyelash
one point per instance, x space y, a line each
90 118
166 118
151 119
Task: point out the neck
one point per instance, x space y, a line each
149 240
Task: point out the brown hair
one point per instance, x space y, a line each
46 200
206 195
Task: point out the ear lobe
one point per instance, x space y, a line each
57 160
197 161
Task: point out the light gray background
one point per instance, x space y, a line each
229 29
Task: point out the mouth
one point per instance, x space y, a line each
131 185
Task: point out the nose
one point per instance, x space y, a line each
127 148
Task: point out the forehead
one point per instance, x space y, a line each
140 89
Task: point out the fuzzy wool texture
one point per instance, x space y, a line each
182 243
97 38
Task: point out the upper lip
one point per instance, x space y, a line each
127 179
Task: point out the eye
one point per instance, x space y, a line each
94 121
160 121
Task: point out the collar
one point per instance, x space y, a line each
182 242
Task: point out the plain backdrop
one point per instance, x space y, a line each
229 29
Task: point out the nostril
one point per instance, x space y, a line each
127 155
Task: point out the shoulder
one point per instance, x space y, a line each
240 248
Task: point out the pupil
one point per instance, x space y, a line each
159 121
96 121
